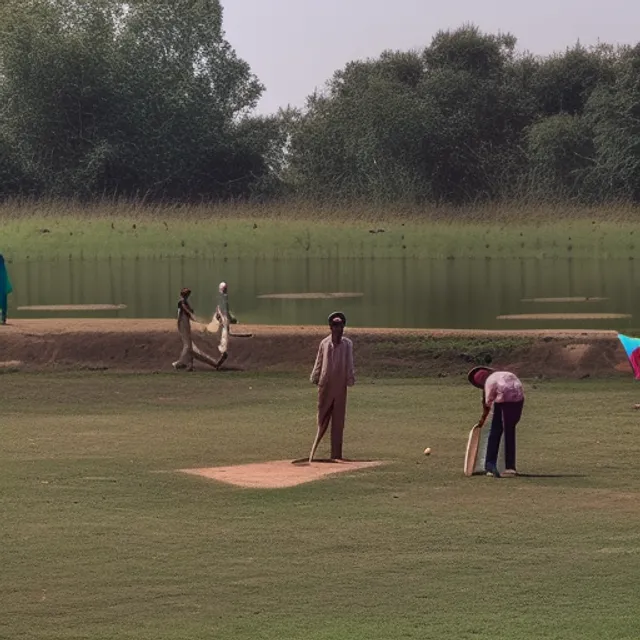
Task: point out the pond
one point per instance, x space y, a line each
460 293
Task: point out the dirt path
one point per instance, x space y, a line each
152 344
44 326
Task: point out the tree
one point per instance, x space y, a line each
560 153
144 97
564 82
613 112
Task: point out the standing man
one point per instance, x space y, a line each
5 290
189 350
333 372
502 391
224 317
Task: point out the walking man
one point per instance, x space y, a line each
224 318
189 350
333 372
5 290
502 391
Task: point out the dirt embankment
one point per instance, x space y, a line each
151 345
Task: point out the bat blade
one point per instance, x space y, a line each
471 453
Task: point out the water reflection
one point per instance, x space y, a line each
396 292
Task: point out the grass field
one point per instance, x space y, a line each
101 539
63 230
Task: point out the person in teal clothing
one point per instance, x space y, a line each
5 290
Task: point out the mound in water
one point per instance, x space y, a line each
574 299
565 316
310 296
74 307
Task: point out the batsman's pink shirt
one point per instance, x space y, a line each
503 386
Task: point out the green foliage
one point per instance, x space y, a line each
145 97
469 119
613 112
560 153
563 83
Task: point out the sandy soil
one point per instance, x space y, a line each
279 474
152 344
43 326
309 296
565 316
74 307
574 299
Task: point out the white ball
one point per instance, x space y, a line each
427 451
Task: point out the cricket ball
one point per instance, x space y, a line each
427 451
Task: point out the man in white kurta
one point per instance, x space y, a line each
333 372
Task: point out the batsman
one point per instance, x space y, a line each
502 391
333 372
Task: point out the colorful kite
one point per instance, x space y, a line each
632 347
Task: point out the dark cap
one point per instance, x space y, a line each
478 375
337 317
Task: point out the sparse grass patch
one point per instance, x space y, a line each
470 350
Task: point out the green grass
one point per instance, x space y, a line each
62 230
101 539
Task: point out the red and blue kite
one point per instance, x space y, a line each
632 347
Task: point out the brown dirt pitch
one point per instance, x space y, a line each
279 474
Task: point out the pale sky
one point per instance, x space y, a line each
294 46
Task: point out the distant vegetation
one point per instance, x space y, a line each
45 230
146 100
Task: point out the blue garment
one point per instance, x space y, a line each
5 289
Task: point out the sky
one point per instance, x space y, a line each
294 46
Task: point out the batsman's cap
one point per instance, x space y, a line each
185 291
337 317
478 376
222 287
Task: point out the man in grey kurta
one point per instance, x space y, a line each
333 372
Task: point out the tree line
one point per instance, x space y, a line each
147 99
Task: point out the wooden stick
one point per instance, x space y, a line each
316 442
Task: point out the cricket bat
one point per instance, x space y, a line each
471 454
473 442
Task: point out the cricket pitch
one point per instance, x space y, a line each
279 474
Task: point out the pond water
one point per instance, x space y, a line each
457 293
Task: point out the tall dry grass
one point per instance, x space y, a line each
291 229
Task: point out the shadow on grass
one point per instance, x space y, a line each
305 461
539 475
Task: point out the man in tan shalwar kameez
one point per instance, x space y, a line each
189 350
333 372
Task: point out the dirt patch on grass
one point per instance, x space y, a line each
279 474
151 345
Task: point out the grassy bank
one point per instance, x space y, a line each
59 230
101 539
